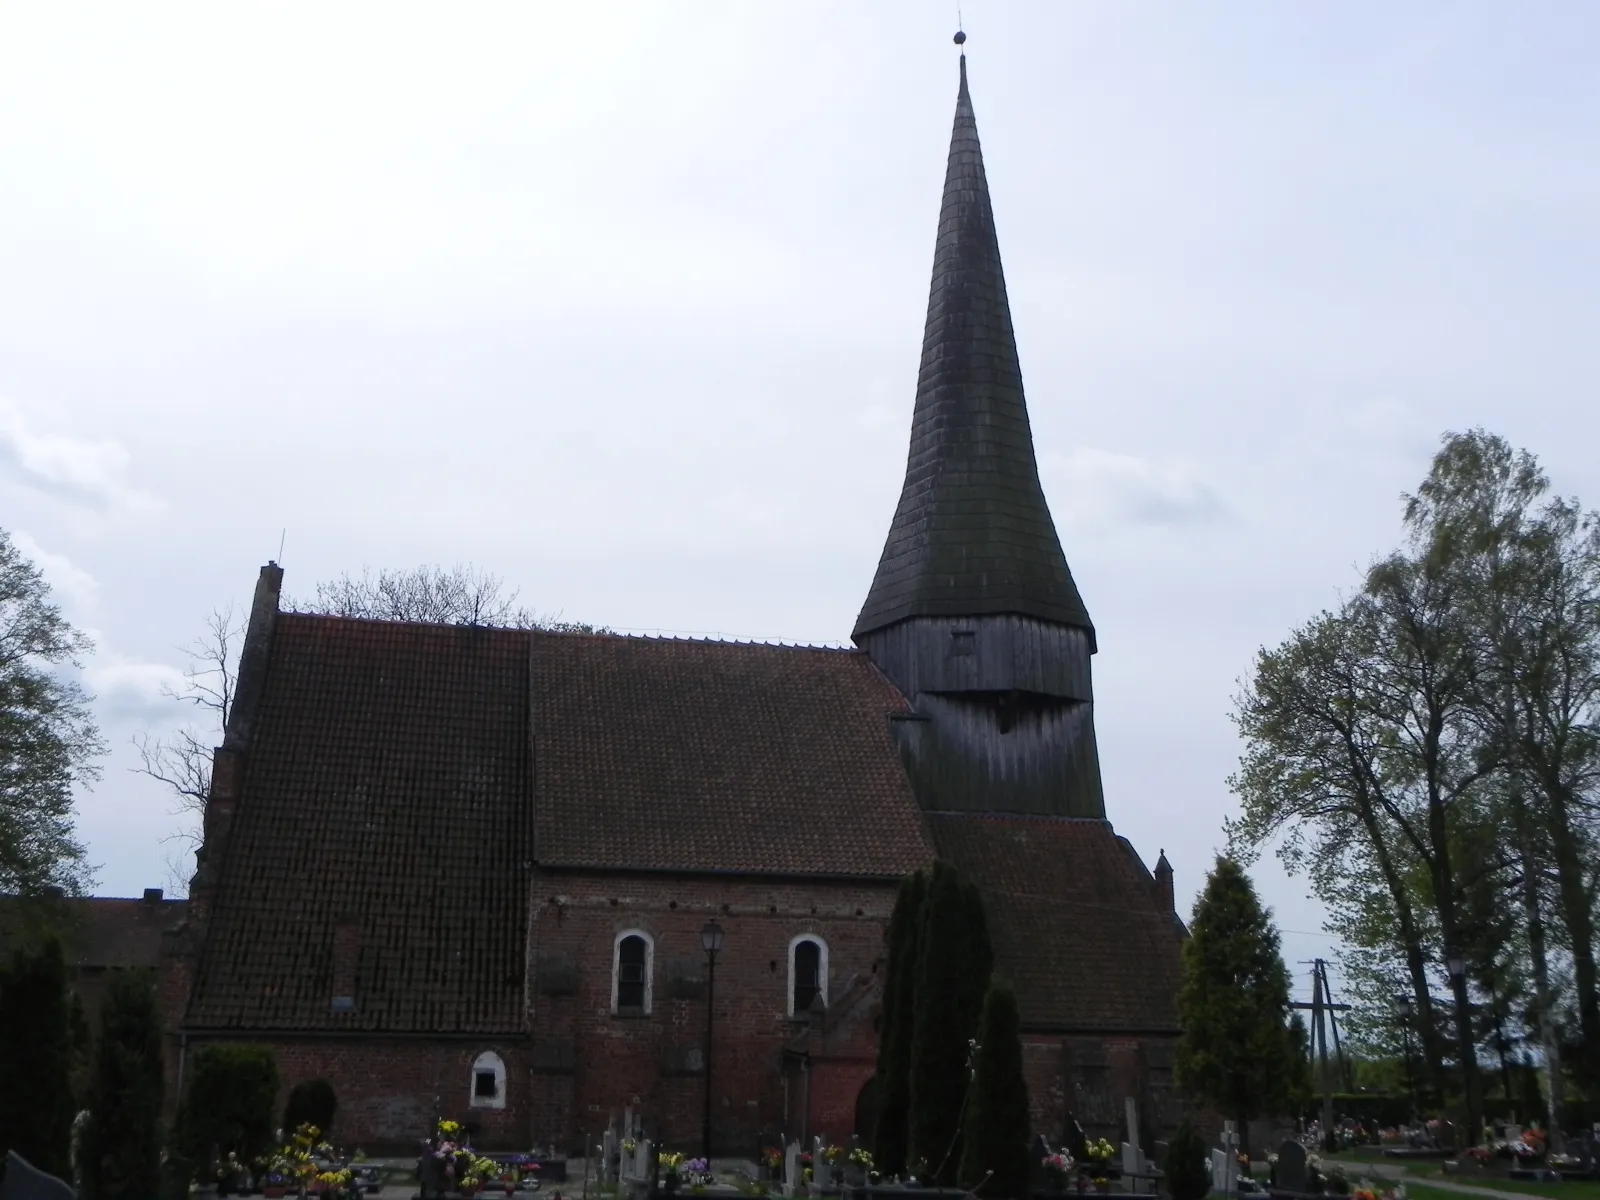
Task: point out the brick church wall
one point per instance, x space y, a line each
391 1090
590 1064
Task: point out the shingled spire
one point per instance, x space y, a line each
972 535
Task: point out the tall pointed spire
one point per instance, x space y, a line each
972 535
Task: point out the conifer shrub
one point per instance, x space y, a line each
895 1026
311 1102
228 1100
36 1104
954 960
997 1128
1187 1166
120 1156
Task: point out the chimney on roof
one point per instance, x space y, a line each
152 895
1163 874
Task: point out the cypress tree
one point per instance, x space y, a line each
36 1107
1236 1054
995 1141
228 1102
122 1147
954 959
894 1033
1187 1167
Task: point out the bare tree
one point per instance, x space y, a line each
432 595
183 761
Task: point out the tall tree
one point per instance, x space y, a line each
1236 1053
122 1151
459 595
48 740
36 1107
954 960
895 1026
995 1155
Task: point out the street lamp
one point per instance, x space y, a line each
711 939
1403 1003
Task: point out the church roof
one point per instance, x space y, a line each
972 535
401 780
1075 920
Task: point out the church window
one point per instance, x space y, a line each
630 986
488 1081
808 973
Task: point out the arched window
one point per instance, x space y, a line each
808 973
488 1081
630 973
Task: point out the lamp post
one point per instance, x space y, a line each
1456 965
711 939
1403 1002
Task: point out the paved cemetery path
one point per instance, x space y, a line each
1398 1175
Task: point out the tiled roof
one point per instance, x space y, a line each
680 755
399 779
1074 918
383 823
105 932
972 535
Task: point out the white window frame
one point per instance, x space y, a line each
649 969
822 968
487 1061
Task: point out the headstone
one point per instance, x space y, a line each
608 1156
821 1168
1292 1173
1513 1133
1130 1114
1219 1171
791 1169
1230 1156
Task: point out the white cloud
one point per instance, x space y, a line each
1100 485
76 589
91 472
130 689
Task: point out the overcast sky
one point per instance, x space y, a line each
624 303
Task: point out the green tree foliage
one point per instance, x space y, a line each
895 1026
1188 1164
1429 755
36 1107
1236 1053
48 741
229 1097
122 1146
311 1102
995 1140
954 960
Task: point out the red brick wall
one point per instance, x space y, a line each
618 1059
391 1091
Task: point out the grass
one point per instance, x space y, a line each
1556 1191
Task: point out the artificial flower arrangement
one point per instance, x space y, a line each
773 1159
832 1155
457 1160
698 1172
1099 1152
862 1157
1059 1165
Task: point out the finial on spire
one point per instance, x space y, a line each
960 38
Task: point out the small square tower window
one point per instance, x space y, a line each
963 643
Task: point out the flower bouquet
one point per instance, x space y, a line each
1058 1168
671 1164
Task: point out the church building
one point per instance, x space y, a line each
472 872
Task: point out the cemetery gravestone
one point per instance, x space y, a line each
1292 1173
821 1168
791 1169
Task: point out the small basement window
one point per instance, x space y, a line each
488 1081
